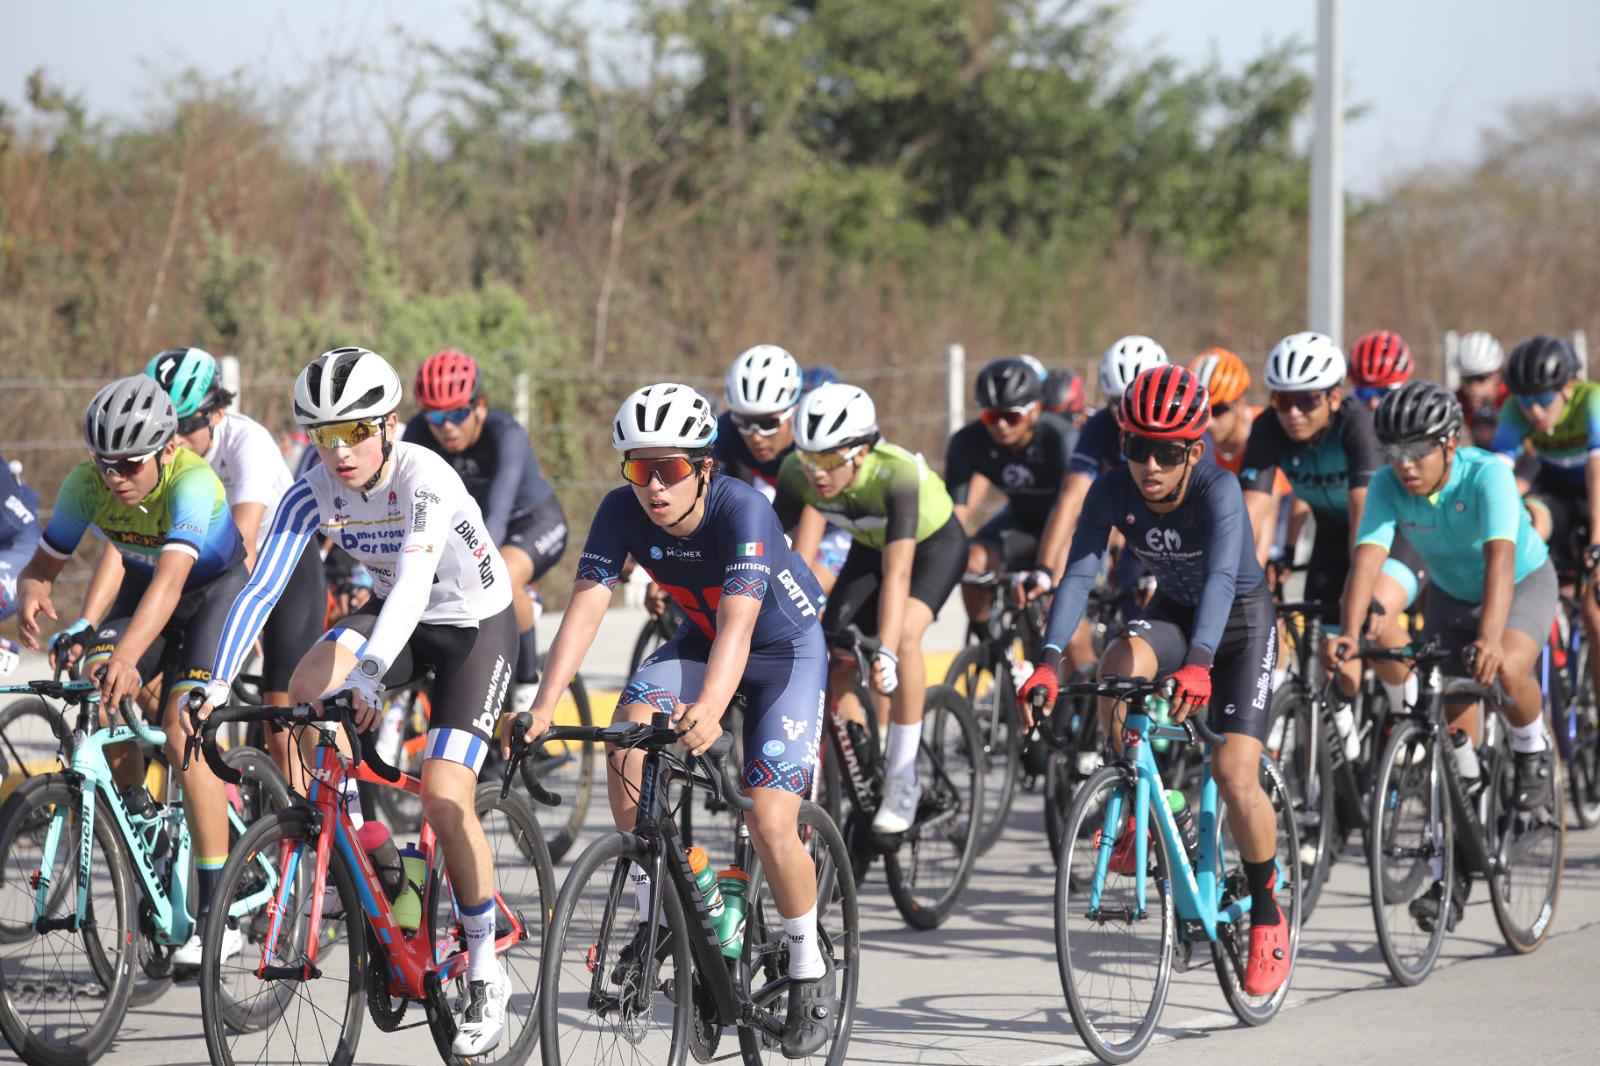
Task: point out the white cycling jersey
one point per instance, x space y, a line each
250 466
418 532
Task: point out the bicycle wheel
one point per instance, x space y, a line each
1230 953
567 768
1583 771
1115 960
63 993
525 884
31 734
288 1020
1413 852
1527 850
928 871
595 1005
1295 745
990 695
766 949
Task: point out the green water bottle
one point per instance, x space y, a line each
1160 711
735 885
1178 804
408 908
706 882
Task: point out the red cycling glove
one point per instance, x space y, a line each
1194 685
1046 676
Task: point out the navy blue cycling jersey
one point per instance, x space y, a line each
732 452
1202 553
1322 470
499 470
739 550
1030 478
19 508
1099 445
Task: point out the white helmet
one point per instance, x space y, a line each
345 384
764 380
1479 353
1126 360
1035 365
665 415
1305 362
832 416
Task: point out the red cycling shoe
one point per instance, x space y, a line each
1268 965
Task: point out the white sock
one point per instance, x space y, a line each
1527 738
1280 674
902 755
641 893
1397 695
479 932
351 795
805 954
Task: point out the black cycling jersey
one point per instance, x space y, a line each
1322 470
1030 478
733 453
499 470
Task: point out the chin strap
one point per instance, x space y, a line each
700 490
1444 476
1177 490
387 448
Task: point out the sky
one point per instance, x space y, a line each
1428 74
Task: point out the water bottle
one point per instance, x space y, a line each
735 885
706 882
1178 804
408 908
1344 721
374 840
1466 758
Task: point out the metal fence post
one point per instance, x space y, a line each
1580 344
1452 344
955 387
523 405
232 378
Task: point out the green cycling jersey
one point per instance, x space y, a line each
894 495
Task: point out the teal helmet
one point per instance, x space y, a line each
187 374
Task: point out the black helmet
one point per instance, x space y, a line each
1539 364
1417 410
1008 382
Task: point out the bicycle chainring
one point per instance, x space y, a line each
154 959
704 1031
387 1012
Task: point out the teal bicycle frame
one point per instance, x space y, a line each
90 774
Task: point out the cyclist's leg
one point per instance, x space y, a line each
1398 585
670 675
935 572
984 552
1534 602
1152 644
126 760
290 630
854 602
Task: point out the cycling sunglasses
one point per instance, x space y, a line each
1165 453
1547 398
669 470
1011 416
1304 402
1476 379
194 423
1408 451
761 425
1220 409
1369 393
826 461
123 468
455 416
343 434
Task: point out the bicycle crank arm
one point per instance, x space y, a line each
760 1018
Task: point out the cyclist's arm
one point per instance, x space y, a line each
1499 583
1374 536
958 475
1229 527
247 517
1258 478
156 605
977 492
1060 529
103 585
899 551
1358 502
808 533
1263 511
33 593
513 453
730 649
586 609
1082 567
1591 474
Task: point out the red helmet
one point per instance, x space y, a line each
447 380
1166 402
1380 358
1063 392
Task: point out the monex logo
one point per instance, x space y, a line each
479 547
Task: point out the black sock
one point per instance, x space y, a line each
528 656
1258 876
207 875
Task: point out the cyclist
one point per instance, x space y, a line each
751 626
166 513
1227 379
1493 588
1211 627
494 458
1558 417
1064 396
19 534
250 465
443 602
1327 449
821 374
1479 359
1380 362
906 557
1024 452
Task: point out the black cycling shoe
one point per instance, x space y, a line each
630 959
813 1014
1425 909
1531 782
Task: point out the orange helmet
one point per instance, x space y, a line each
1223 374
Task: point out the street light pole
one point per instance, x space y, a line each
1325 292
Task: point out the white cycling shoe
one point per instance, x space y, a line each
187 957
484 1018
898 810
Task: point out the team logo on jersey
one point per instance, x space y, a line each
1016 476
750 550
655 552
1163 540
796 593
338 503
772 749
791 727
393 499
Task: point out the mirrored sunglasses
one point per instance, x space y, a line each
342 434
669 470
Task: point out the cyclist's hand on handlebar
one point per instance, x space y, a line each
118 680
1336 649
655 600
1045 677
365 707
1029 585
1192 691
698 726
540 721
885 671
1483 658
1377 619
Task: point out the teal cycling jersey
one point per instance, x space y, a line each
1322 470
1565 450
187 511
1478 503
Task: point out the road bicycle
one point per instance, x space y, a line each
1119 936
1431 826
306 974
1574 713
615 989
91 904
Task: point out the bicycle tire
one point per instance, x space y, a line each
572 954
993 707
949 815
32 739
838 931
1583 770
1408 769
1525 921
32 1027
233 1023
519 843
1304 765
1074 876
562 824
